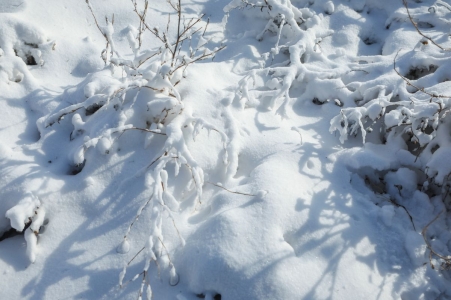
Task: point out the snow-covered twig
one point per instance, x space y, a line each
139 88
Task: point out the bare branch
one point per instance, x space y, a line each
446 259
179 17
233 192
95 19
409 83
145 130
201 57
419 31
153 31
205 29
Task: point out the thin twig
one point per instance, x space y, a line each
155 33
131 280
205 28
141 62
137 216
230 191
145 130
142 249
409 83
167 252
410 216
62 116
252 5
95 20
202 57
179 16
419 31
447 259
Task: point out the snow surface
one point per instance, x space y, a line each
236 187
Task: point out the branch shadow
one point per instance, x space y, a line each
337 228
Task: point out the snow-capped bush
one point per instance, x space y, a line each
399 98
28 216
137 91
298 38
408 103
22 44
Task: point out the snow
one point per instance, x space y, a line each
23 210
287 149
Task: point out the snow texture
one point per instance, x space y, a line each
250 149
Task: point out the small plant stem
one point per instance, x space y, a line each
230 191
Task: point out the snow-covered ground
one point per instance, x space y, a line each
308 160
